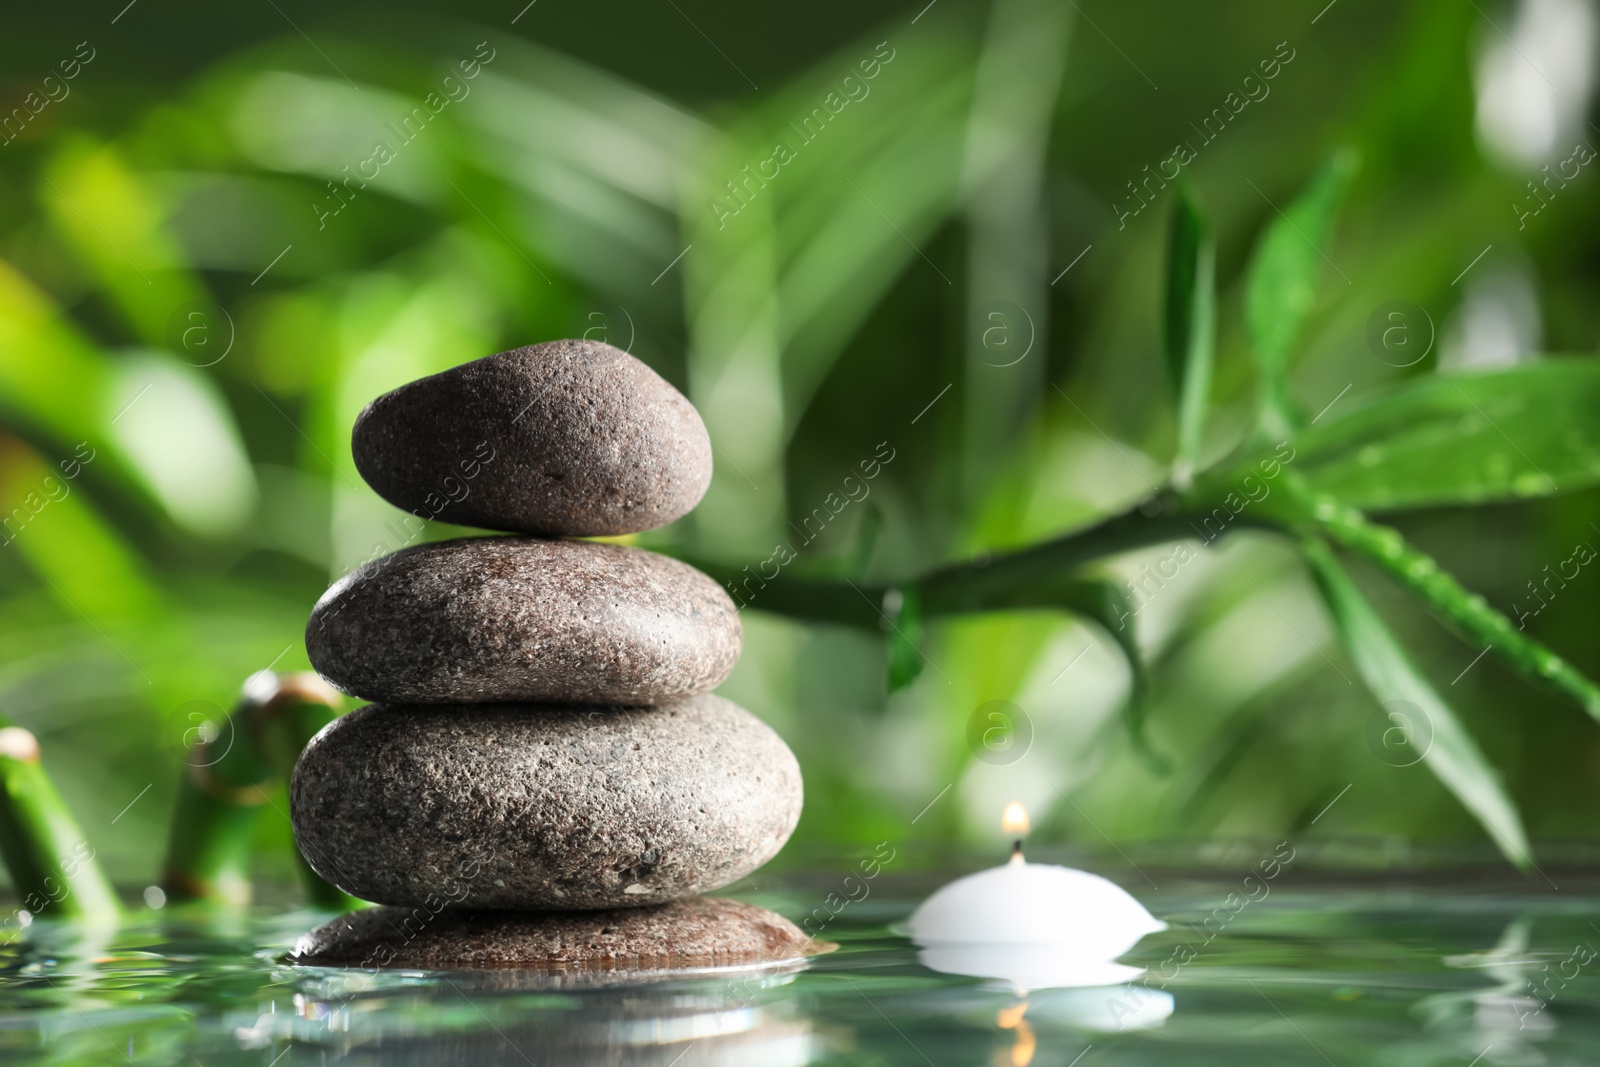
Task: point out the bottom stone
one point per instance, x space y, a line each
693 933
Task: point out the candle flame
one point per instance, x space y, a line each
1015 820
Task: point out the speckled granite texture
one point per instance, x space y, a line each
520 619
567 437
697 932
543 807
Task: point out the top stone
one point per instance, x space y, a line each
566 438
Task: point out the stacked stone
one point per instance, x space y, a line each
544 742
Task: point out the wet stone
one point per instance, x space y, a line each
543 806
520 619
563 438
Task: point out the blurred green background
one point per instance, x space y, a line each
943 265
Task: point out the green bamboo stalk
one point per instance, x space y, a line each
302 706
225 783
987 583
1024 578
52 865
219 803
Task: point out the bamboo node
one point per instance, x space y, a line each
19 744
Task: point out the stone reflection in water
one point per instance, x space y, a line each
682 983
635 1030
487 1019
680 935
676 984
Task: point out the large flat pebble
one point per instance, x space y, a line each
543 807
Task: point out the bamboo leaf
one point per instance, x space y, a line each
866 541
50 374
1467 613
1243 729
1522 432
1106 604
64 538
903 623
52 377
113 224
1110 606
1281 285
909 145
1190 328
1450 752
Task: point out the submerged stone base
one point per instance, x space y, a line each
695 933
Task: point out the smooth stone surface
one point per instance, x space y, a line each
566 437
542 806
520 619
693 933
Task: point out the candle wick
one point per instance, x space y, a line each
1016 852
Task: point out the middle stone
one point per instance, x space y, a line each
543 806
491 619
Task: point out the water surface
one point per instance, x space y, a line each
1450 972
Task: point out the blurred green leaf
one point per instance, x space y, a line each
837 256
1110 606
113 224
775 290
1243 730
867 533
179 451
1281 285
51 375
1526 431
84 560
1416 708
1190 327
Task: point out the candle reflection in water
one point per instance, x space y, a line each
1019 1054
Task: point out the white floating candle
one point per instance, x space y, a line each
1035 925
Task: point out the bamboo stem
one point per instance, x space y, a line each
52 865
225 783
993 583
285 724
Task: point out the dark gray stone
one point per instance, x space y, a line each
567 437
519 619
543 806
694 933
